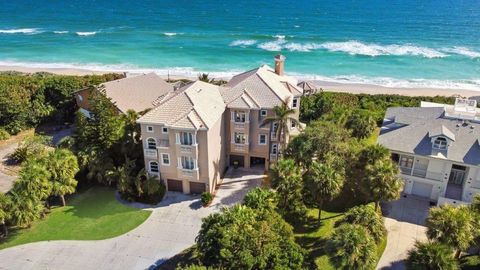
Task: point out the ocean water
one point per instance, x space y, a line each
410 43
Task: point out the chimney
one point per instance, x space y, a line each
279 64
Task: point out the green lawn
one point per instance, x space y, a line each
91 215
314 238
372 139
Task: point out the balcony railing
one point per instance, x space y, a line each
406 170
422 173
152 153
239 125
273 157
419 172
187 149
240 147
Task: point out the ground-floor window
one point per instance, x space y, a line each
153 166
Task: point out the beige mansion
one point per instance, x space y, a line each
195 132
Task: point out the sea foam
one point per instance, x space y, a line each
243 42
60 32
85 33
463 51
20 31
170 34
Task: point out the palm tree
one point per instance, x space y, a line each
283 118
286 179
352 248
34 181
324 183
204 78
453 226
367 217
63 166
383 182
24 209
4 212
431 256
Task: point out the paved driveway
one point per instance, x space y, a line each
171 228
7 176
405 220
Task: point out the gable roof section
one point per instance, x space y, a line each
441 131
196 106
136 93
412 134
259 88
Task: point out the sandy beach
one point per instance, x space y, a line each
325 85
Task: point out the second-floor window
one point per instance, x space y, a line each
151 143
295 103
149 128
239 116
406 162
262 139
165 159
188 163
240 138
186 138
440 143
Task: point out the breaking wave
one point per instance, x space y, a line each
463 51
30 31
243 42
85 33
170 34
60 32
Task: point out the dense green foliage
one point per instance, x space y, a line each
243 238
90 215
31 147
352 248
431 256
261 198
206 198
4 134
27 100
367 217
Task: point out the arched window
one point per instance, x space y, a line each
154 166
151 143
440 143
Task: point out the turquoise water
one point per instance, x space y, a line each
395 43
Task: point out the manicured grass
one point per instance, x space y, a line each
314 238
91 215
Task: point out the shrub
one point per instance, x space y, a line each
207 198
35 146
367 217
260 198
4 134
431 255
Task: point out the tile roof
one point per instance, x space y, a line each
198 105
409 130
259 88
145 89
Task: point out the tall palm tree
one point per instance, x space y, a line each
383 182
324 182
63 166
431 256
453 226
286 179
4 212
283 118
352 248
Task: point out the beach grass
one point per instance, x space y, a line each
93 214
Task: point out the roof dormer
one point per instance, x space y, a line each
441 138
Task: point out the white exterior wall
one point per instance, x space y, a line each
438 172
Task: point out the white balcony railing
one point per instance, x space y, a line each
187 149
152 153
240 147
419 172
273 157
239 125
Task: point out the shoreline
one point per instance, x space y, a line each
354 88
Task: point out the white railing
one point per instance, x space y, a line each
406 170
273 157
150 153
422 173
239 125
444 200
240 147
187 149
419 172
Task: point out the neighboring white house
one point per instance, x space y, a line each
437 148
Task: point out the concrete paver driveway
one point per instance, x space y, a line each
171 228
7 177
405 222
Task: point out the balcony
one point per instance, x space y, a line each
273 157
151 153
187 173
239 125
419 172
422 173
242 148
187 149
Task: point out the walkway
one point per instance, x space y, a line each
7 174
405 222
171 228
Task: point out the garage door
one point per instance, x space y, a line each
422 189
175 185
239 159
197 188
